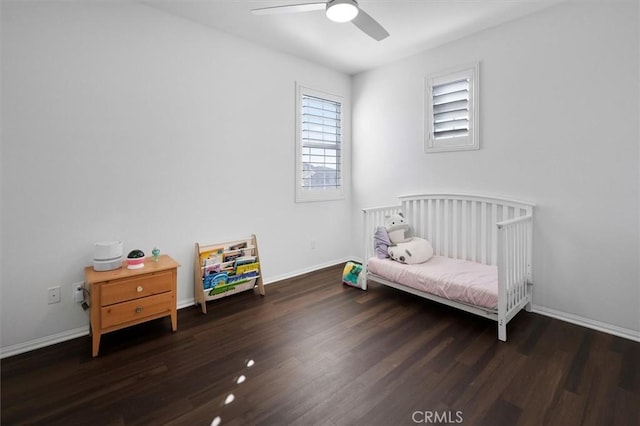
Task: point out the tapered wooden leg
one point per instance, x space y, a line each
95 338
174 320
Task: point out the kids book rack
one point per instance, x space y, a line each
226 268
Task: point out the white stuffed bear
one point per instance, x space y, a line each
397 228
406 249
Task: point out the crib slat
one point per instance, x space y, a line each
505 268
514 268
445 227
464 230
515 278
513 281
521 272
406 209
523 260
474 222
415 214
483 233
516 250
518 295
429 218
502 296
437 230
494 234
454 236
421 219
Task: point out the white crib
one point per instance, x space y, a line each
488 230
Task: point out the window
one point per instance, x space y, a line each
452 111
319 174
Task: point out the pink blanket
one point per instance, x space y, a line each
460 280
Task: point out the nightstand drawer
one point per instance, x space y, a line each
135 288
138 309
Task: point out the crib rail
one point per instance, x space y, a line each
373 217
461 226
514 269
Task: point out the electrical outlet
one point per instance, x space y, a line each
77 292
313 243
53 294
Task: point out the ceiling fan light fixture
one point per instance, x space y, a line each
342 10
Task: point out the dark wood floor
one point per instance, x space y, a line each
329 355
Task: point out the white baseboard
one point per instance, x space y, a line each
306 270
84 331
43 341
588 323
181 304
190 302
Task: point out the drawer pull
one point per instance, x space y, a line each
139 309
139 288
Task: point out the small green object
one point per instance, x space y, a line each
156 254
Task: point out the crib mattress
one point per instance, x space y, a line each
459 280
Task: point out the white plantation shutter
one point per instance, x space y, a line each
451 118
319 146
321 133
451 109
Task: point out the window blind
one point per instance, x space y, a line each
321 134
451 109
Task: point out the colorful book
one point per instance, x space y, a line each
212 268
229 257
244 260
240 278
242 269
213 255
238 246
215 280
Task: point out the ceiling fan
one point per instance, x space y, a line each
336 10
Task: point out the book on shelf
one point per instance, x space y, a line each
244 260
212 260
229 257
212 268
240 278
248 267
237 246
215 280
211 256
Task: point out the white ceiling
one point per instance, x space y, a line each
414 26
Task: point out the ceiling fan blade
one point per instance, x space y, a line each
289 8
370 26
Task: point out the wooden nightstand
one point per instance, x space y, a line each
124 297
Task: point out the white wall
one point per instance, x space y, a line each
122 122
559 127
98 96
